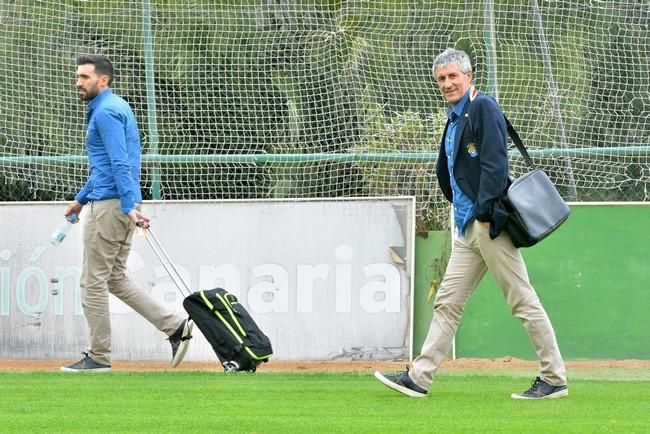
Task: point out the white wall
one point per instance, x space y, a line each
316 275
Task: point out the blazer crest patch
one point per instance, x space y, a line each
471 150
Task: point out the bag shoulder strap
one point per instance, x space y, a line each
518 143
511 132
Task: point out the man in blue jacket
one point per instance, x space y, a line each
112 198
472 171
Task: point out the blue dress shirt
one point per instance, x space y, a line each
113 147
463 205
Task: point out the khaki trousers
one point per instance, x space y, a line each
471 257
107 243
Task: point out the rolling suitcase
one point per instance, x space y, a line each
234 336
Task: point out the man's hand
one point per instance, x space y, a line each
138 218
73 208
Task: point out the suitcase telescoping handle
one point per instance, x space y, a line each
166 261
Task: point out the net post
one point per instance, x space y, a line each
491 49
152 121
553 93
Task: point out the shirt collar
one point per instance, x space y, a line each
93 103
455 112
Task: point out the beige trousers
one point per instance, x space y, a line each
471 257
107 243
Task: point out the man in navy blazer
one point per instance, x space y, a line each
480 131
472 171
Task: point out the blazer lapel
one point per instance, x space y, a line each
463 121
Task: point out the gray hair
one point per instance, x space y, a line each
453 57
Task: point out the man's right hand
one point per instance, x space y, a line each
74 207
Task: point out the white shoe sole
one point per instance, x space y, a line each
182 348
398 388
77 371
558 394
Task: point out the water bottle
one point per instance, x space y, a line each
59 234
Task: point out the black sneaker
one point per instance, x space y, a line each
180 340
540 389
86 364
402 383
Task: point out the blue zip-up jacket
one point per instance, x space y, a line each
113 147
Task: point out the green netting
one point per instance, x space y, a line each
295 81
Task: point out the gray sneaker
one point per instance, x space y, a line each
401 382
540 389
86 364
180 341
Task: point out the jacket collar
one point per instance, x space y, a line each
95 102
473 93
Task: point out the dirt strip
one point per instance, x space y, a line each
330 365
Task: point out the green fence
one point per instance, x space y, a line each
593 277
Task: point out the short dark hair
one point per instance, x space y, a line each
102 65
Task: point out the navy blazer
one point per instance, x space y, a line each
481 164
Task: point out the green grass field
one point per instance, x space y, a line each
309 403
